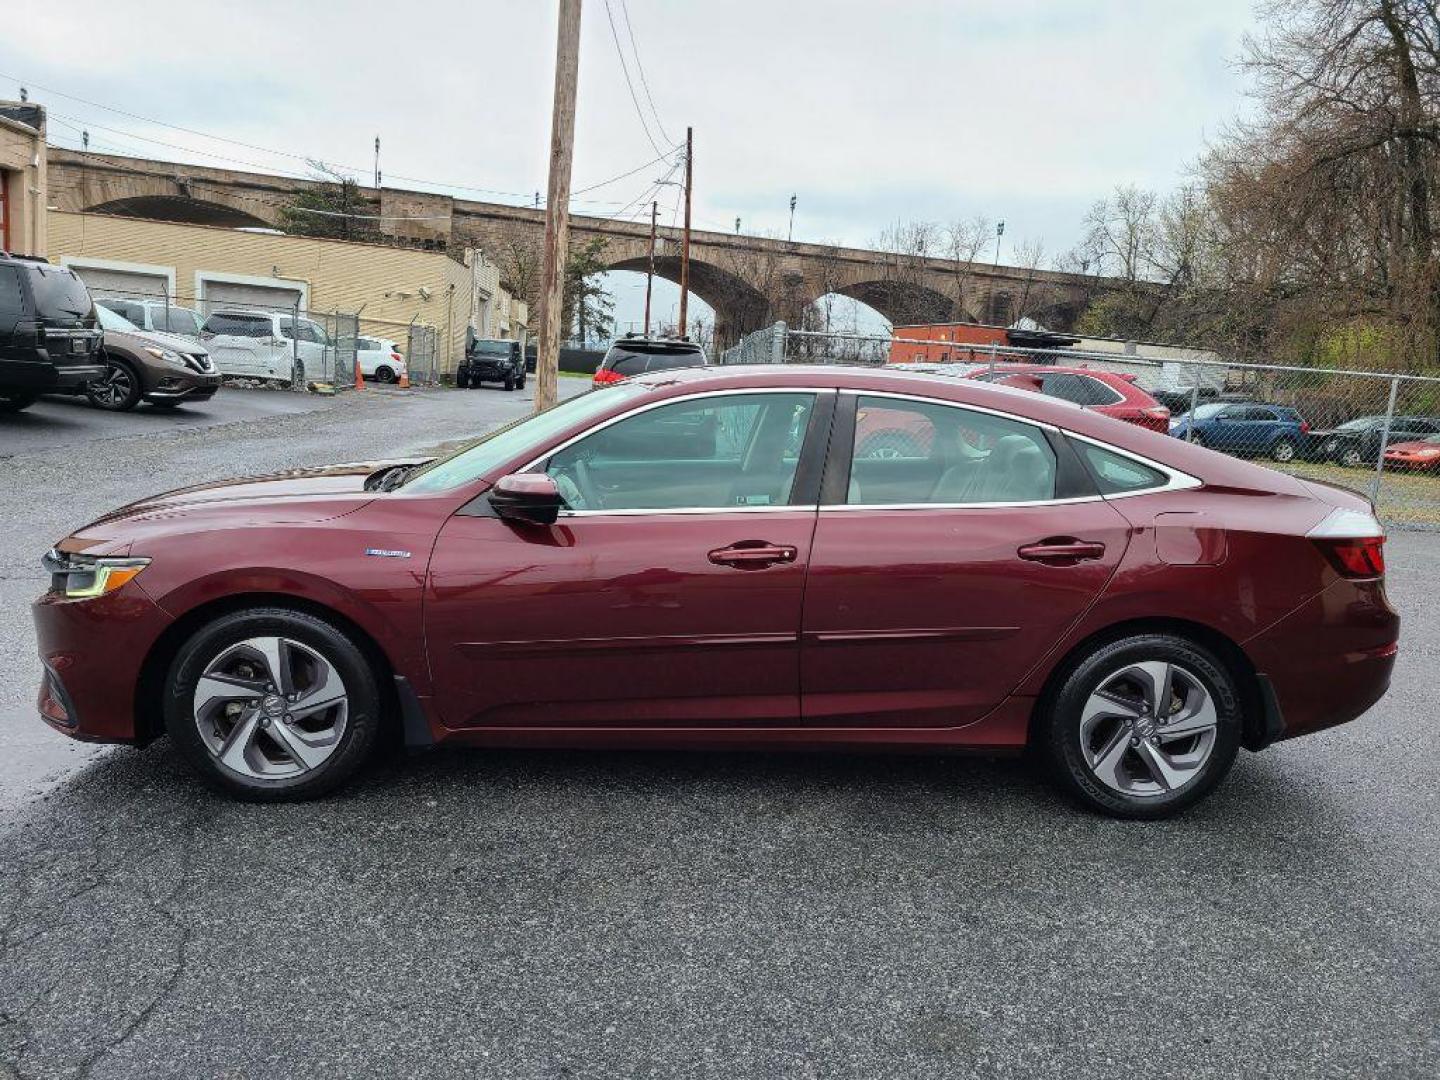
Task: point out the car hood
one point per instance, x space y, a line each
294 495
155 339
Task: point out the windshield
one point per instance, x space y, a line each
59 294
493 348
110 320
175 320
479 457
1358 425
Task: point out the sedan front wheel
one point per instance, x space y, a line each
272 705
1143 727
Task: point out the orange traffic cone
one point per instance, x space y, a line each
404 383
359 377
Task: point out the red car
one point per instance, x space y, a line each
1103 391
1418 455
702 559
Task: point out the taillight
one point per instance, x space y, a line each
1159 412
397 358
1353 542
604 377
1304 427
1359 558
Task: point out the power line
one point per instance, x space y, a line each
640 67
625 70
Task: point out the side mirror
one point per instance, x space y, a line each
529 497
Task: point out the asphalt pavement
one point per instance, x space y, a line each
525 914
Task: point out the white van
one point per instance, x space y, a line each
268 345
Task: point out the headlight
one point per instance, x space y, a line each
81 577
168 355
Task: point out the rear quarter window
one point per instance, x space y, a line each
1116 474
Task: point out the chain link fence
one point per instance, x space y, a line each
258 341
1375 432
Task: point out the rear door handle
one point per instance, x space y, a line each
1062 551
752 554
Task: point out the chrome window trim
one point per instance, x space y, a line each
689 510
853 507
1043 425
646 407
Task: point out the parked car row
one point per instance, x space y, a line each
55 338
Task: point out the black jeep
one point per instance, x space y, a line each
492 360
49 336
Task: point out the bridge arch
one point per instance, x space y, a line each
902 302
181 209
739 306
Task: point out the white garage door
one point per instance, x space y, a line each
132 283
250 297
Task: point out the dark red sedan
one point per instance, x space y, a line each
707 558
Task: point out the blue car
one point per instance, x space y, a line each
1244 427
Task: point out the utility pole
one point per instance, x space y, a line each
999 232
685 243
650 270
737 226
377 162
557 208
791 237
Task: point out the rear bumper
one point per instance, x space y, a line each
44 376
93 651
1328 661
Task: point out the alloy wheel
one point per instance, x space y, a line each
271 708
114 388
1148 729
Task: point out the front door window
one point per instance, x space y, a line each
722 452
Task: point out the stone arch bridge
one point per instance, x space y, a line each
748 280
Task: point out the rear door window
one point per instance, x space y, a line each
914 452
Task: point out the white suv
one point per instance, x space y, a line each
156 315
268 345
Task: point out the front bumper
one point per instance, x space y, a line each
185 388
1329 660
93 652
480 371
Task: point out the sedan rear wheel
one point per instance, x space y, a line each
1351 457
272 705
1144 727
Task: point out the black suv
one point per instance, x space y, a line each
49 336
492 360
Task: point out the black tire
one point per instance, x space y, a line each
462 381
12 401
1058 730
363 709
1350 457
384 374
1197 439
521 384
118 390
1283 450
509 382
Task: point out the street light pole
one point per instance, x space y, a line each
557 208
650 270
791 237
685 242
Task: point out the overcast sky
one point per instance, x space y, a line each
1026 110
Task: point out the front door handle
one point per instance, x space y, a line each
753 554
1062 551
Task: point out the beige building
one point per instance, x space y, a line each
202 266
22 178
